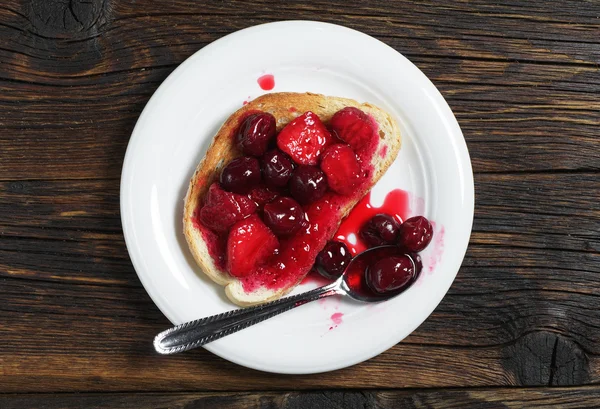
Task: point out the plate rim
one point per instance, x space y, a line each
136 137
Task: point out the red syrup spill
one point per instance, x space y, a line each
396 203
314 277
437 246
337 318
266 82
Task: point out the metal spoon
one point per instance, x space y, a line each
352 283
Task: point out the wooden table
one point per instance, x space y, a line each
520 326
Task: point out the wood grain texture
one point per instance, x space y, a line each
523 310
524 82
509 398
503 68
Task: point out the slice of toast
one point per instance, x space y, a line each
284 107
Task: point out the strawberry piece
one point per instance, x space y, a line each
223 209
250 244
304 139
354 127
342 168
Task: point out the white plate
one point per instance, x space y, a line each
176 127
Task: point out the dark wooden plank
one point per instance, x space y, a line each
523 81
553 112
523 310
85 75
507 30
565 398
497 105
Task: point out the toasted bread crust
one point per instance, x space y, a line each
284 107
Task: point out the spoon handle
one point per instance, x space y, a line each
196 333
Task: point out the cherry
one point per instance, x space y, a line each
255 133
390 273
379 230
333 259
416 257
307 184
284 216
277 168
415 234
241 175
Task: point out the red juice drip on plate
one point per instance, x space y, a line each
314 277
395 204
336 318
266 82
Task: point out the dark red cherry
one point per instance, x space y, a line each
379 230
390 273
415 234
416 257
277 168
307 184
241 175
284 216
255 133
333 259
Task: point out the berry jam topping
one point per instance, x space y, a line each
333 259
316 278
304 139
353 126
241 175
342 169
216 244
255 133
242 217
379 230
223 209
298 251
308 184
284 216
390 273
250 244
262 195
415 234
266 82
277 168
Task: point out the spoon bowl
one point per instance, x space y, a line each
351 283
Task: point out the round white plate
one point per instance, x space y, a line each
176 127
